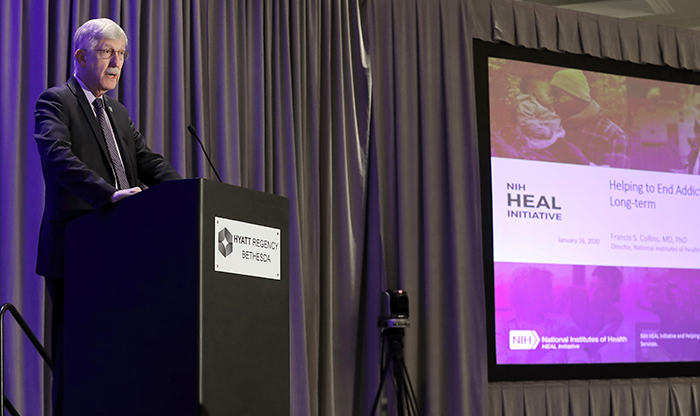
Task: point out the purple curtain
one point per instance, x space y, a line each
279 92
23 78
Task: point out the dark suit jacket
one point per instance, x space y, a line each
76 165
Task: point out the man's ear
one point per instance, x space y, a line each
80 58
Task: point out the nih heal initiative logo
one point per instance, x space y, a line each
519 339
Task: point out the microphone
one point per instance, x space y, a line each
194 133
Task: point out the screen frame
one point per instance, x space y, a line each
484 50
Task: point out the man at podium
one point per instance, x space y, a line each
91 156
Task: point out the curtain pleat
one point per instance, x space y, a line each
660 399
547 27
643 397
695 390
503 21
629 40
590 36
569 38
536 400
599 395
609 38
583 401
513 399
680 394
668 46
526 34
649 44
556 393
686 40
621 395
480 21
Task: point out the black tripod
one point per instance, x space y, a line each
392 359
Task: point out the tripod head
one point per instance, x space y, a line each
394 313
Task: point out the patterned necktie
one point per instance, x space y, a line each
117 166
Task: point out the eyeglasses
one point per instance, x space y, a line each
109 53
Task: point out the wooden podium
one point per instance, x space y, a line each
155 325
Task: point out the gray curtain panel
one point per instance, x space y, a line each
424 135
427 190
573 32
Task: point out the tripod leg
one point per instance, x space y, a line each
399 386
379 390
411 394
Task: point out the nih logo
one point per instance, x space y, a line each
523 340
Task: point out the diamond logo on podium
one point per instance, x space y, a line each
225 242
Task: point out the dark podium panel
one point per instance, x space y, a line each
152 329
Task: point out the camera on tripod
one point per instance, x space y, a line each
394 313
393 319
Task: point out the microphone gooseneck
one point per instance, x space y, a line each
194 133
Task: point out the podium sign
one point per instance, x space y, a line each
247 249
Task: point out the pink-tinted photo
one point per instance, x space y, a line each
565 115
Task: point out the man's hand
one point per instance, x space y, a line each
123 193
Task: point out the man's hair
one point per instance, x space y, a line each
91 32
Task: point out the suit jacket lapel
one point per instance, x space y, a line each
89 115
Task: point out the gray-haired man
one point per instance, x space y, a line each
91 156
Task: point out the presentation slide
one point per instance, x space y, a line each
595 190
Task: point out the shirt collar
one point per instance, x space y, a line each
88 94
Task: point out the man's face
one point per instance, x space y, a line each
565 104
100 74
